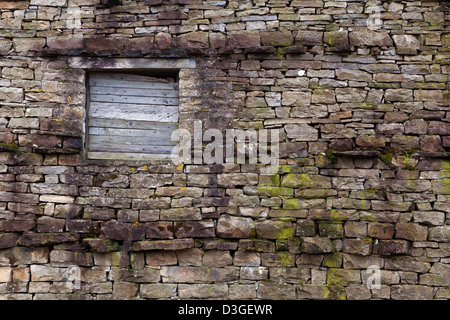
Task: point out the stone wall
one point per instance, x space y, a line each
364 173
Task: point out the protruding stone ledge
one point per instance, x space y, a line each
130 63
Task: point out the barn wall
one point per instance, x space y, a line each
363 180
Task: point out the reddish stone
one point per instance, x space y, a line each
115 230
392 247
8 240
193 40
195 229
168 15
243 39
142 45
65 42
159 230
43 239
104 45
16 226
163 40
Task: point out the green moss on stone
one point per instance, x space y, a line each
285 259
387 157
286 233
10 147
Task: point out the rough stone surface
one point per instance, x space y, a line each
362 176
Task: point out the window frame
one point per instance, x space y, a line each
127 65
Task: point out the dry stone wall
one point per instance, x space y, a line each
361 100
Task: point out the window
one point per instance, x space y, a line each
133 105
131 115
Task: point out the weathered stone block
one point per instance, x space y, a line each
276 291
321 292
337 40
381 230
304 180
217 258
234 227
271 229
316 245
193 40
243 39
392 247
411 231
441 233
44 239
203 291
177 214
115 230
276 38
350 95
343 277
101 245
309 38
8 240
158 290
194 229
49 224
414 292
28 44
49 3
198 274
370 38
356 246
406 264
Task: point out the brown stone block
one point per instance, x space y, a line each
392 247
193 40
101 245
14 5
45 239
123 231
68 42
243 39
159 230
276 38
8 240
194 229
101 45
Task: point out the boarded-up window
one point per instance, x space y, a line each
131 116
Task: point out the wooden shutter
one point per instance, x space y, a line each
130 116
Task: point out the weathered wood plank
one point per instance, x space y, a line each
132 124
131 84
126 77
133 112
167 93
127 156
131 140
94 147
129 132
118 98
